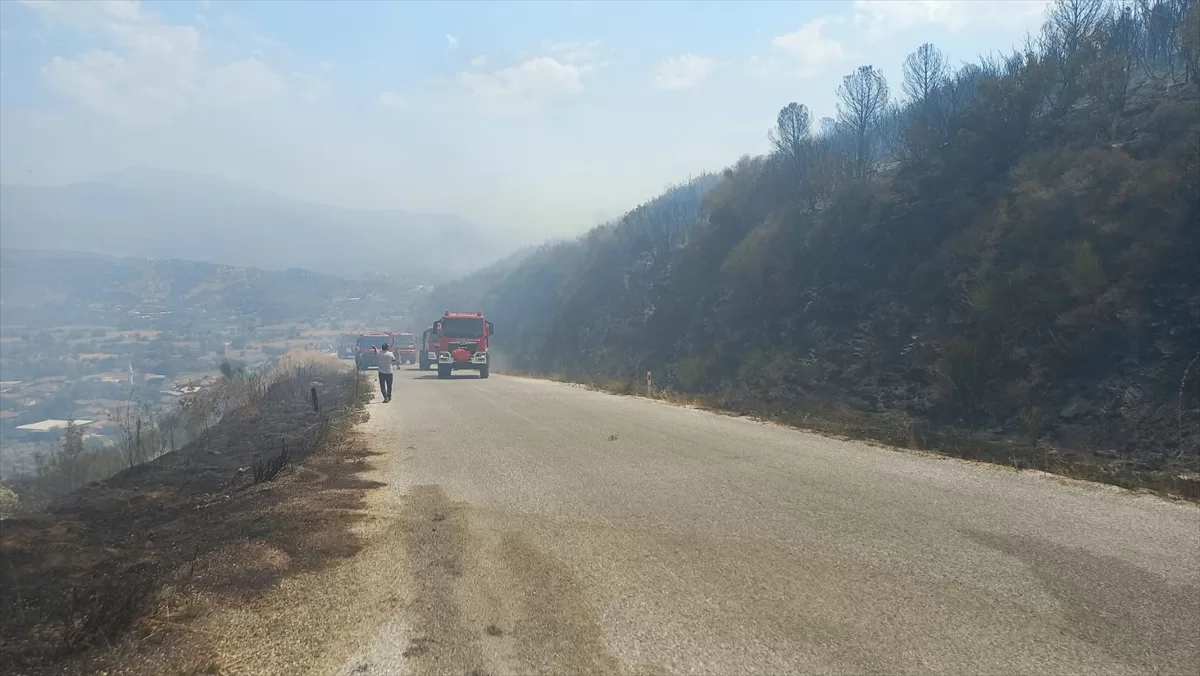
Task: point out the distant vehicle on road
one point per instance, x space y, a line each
406 347
367 346
463 343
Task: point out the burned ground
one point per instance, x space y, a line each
110 577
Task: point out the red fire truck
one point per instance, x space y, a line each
367 354
462 343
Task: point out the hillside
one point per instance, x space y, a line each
47 289
531 291
164 214
1005 265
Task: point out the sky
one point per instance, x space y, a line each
544 118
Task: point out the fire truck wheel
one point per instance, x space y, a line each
483 371
443 371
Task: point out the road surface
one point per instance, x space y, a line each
550 529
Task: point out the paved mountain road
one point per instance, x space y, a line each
549 529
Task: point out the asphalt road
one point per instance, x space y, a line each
549 529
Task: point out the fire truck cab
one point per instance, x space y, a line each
462 343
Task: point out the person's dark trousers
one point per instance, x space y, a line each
385 385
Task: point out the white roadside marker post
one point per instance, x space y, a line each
649 385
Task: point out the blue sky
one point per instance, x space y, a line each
542 117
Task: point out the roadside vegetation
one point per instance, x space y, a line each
145 431
996 261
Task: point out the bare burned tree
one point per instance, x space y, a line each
1070 24
890 137
71 459
924 75
1189 43
1110 74
132 418
1172 37
961 87
658 231
863 97
792 138
793 127
1068 41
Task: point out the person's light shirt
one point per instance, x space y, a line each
386 359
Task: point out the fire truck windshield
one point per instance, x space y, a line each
462 327
371 341
406 340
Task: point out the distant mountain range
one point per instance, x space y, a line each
168 214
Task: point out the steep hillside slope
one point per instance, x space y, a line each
1009 261
594 283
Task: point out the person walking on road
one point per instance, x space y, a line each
386 359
